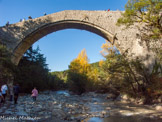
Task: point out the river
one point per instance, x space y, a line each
63 106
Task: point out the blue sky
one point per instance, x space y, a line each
60 47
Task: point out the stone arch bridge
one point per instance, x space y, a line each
20 36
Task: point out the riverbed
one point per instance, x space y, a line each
63 106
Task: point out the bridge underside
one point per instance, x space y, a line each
53 27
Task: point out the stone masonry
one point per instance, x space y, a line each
20 36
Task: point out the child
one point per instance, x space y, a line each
34 94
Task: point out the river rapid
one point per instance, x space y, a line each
63 106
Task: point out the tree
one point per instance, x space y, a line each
120 73
7 68
56 82
148 12
81 76
80 64
78 69
108 48
33 71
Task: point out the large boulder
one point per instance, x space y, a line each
158 107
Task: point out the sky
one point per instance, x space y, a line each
60 47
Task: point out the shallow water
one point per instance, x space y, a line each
61 106
63 92
98 104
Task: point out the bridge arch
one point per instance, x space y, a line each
48 28
20 36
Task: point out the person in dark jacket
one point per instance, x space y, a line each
16 90
1 96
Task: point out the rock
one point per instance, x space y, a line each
73 108
132 99
111 96
158 107
141 101
159 99
124 97
103 112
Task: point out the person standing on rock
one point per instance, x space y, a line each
16 90
7 24
34 94
4 89
45 14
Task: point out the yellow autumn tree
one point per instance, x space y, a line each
80 64
81 75
107 48
101 63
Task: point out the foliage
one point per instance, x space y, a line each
32 71
157 69
7 68
129 76
77 82
147 12
81 76
55 82
80 64
117 72
108 48
62 75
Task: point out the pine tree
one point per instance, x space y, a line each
33 71
148 12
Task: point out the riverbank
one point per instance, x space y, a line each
61 106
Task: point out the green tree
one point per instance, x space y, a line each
7 68
147 12
56 82
120 73
33 71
